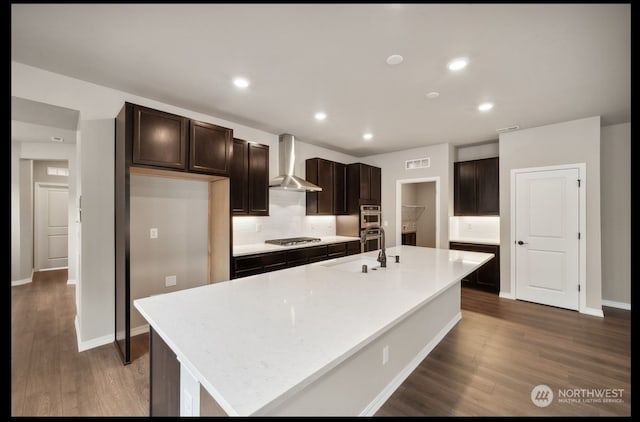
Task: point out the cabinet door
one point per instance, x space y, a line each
365 182
464 187
320 172
339 189
159 139
239 177
487 277
209 148
375 185
487 186
258 179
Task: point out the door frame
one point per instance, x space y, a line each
399 184
582 224
38 186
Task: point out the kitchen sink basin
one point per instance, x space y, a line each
355 265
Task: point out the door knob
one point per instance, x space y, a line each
520 242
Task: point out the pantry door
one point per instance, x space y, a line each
547 236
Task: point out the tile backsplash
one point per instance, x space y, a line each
487 228
286 219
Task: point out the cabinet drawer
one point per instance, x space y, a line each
245 263
353 247
246 273
275 258
337 249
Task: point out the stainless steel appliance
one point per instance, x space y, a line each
291 241
370 216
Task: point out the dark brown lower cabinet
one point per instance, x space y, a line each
409 239
247 265
164 379
486 277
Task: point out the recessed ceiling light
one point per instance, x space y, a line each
394 59
57 139
320 115
458 64
485 106
433 94
367 136
241 82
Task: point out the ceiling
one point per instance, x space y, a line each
538 63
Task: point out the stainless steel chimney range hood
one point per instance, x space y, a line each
287 180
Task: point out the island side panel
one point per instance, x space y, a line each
164 381
361 384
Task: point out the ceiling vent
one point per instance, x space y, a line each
418 163
508 128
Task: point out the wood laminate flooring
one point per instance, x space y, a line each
486 366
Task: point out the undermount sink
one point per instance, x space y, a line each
355 265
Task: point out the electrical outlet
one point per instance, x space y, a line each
385 355
468 226
385 223
258 227
153 233
170 280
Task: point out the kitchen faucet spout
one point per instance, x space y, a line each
382 256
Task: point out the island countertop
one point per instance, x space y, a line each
254 341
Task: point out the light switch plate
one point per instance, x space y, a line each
153 233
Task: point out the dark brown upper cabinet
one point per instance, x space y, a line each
476 187
330 176
364 184
173 142
249 178
209 148
159 138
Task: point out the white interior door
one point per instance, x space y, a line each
51 217
546 237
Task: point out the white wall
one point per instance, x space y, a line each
477 152
392 165
98 106
615 191
573 142
179 209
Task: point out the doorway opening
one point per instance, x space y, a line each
418 212
50 215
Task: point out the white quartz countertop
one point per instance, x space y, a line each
239 250
478 240
253 342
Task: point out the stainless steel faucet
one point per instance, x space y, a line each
382 256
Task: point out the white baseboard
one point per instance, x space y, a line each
90 344
384 395
614 304
506 295
53 269
592 311
21 282
140 330
71 281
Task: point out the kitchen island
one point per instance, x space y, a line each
319 339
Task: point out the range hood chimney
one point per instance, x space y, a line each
287 180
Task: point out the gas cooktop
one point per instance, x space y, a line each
293 241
